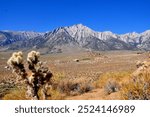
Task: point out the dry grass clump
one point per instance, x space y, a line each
74 87
111 87
142 67
58 76
139 86
6 84
112 81
16 94
20 94
55 95
112 77
64 86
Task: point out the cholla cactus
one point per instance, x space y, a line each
40 77
16 63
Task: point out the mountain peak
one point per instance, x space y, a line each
79 31
79 26
147 32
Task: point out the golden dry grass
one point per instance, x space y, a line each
118 77
16 94
137 88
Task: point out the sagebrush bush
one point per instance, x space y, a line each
111 86
74 87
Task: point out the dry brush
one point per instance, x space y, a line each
138 87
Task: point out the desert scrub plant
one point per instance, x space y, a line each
6 84
17 93
74 86
55 94
139 86
142 67
57 78
40 77
111 86
118 77
65 86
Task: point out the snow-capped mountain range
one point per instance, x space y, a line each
76 35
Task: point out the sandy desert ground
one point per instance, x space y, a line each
92 70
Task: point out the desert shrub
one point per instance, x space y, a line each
55 95
57 78
109 76
51 94
85 59
74 87
111 86
16 94
85 87
20 94
138 88
6 84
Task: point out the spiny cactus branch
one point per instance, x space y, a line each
40 76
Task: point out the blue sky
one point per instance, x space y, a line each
118 16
